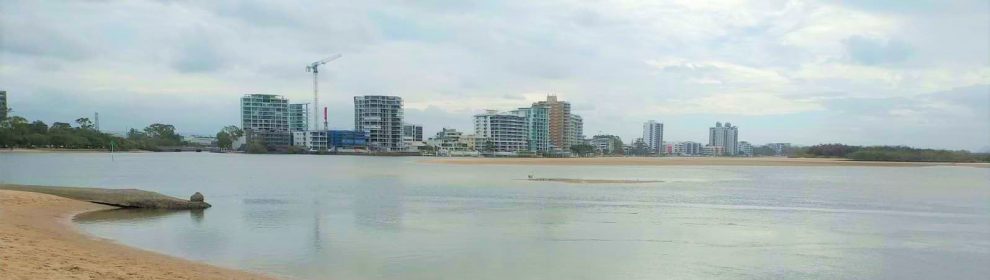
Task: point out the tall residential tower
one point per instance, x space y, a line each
653 136
724 138
265 118
380 118
561 130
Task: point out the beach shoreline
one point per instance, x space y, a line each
689 161
38 240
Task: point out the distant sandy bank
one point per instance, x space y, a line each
38 241
592 181
688 161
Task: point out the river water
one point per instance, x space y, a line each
350 217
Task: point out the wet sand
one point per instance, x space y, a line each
38 241
690 161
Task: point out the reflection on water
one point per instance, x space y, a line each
320 217
379 204
197 215
133 215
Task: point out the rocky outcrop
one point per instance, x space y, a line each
196 197
127 198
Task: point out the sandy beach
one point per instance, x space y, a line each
690 161
38 241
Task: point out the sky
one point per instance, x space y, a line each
881 72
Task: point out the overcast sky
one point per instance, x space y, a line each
897 72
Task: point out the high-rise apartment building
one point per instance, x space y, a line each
412 132
380 117
726 137
299 117
3 105
561 136
501 132
653 136
537 127
575 131
265 118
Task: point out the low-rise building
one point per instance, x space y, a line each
605 144
713 151
200 140
330 140
686 148
449 142
745 149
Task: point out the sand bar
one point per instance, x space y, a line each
689 161
39 241
592 181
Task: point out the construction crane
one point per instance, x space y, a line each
315 68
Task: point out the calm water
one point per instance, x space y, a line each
341 217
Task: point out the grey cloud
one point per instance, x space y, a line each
198 56
956 119
21 35
870 51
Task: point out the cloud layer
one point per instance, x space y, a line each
902 72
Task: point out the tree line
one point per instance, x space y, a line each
889 153
18 132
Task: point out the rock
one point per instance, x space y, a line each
196 197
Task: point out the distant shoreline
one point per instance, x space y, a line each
690 161
50 150
41 242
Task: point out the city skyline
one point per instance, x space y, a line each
804 72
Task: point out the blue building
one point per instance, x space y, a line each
347 139
330 140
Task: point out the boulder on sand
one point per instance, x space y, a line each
196 197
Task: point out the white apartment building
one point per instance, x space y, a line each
726 136
380 118
265 118
501 133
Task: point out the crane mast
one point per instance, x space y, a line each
315 68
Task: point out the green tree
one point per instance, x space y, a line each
489 146
257 147
59 126
233 131
224 140
583 150
163 135
640 148
84 123
38 127
617 143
